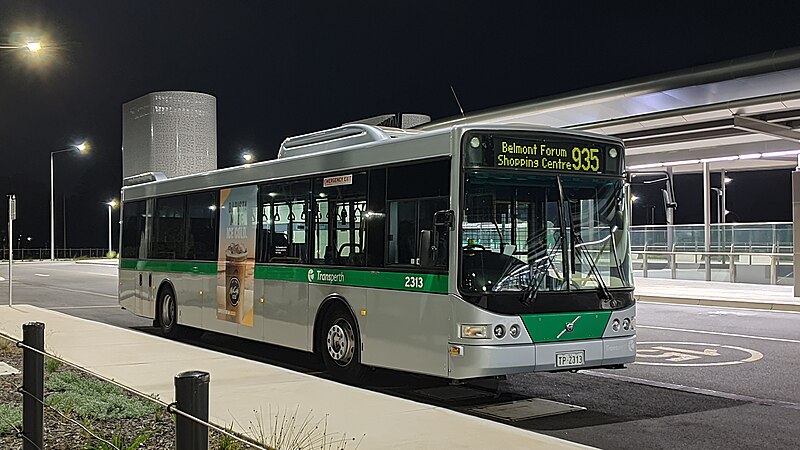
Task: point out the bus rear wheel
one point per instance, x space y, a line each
341 345
167 310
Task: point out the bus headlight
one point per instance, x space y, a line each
499 331
514 331
475 331
615 325
626 324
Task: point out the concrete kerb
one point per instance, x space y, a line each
721 303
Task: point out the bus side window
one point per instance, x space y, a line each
201 238
339 219
285 215
170 228
134 244
411 207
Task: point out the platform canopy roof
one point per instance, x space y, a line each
738 115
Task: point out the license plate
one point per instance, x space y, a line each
569 359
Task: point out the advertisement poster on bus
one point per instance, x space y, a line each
238 208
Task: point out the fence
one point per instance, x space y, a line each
22 254
190 408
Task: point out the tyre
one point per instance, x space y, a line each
341 345
167 310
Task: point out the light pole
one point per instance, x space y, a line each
111 205
82 148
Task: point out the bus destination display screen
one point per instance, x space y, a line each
547 153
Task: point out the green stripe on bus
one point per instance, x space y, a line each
554 327
419 282
197 267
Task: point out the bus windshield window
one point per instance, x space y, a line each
524 232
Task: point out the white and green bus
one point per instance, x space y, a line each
472 251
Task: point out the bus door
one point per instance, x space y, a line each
281 281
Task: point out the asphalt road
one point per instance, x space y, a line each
704 378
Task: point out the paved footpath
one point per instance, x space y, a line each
712 293
239 387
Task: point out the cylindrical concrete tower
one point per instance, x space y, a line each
171 132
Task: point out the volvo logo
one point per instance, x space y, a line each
568 327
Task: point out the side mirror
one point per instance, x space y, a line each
443 219
427 253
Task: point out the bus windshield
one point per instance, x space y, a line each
541 233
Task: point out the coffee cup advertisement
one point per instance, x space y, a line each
237 241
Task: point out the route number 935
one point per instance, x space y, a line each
586 159
414 282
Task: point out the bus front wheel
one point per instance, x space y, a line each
341 345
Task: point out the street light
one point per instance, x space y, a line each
32 47
82 148
111 205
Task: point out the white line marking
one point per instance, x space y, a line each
84 307
717 333
41 275
87 273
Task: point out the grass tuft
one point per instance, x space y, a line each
51 364
119 442
10 418
93 399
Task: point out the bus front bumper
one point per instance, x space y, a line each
479 361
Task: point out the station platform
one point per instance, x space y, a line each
240 386
717 294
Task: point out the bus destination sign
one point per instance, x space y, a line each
547 153
560 156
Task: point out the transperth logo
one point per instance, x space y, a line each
310 275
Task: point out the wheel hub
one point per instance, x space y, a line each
166 311
340 342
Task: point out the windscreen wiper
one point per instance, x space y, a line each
579 246
541 266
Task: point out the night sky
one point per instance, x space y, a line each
280 69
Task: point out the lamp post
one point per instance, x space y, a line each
82 148
111 205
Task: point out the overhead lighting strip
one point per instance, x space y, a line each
715 159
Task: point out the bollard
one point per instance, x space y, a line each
191 397
33 386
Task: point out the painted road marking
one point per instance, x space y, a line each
41 275
718 333
674 354
85 272
693 390
84 307
678 355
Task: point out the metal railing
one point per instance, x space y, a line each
36 254
767 237
732 266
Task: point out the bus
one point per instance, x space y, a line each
467 252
